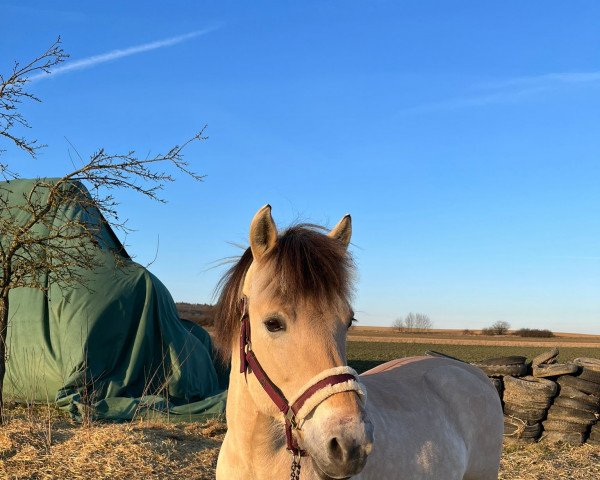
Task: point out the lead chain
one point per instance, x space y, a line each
295 473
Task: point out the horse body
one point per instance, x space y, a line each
434 418
424 418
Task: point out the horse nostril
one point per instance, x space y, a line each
335 449
341 452
346 456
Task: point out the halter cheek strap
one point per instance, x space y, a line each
316 390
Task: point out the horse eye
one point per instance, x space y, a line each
351 322
273 325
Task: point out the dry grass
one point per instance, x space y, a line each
106 451
41 443
540 461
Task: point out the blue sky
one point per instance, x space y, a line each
461 136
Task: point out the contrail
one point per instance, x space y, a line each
509 90
116 54
547 79
473 101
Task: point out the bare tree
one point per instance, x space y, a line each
501 327
398 324
425 323
36 250
410 322
13 93
422 322
414 322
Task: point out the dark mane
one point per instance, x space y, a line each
306 265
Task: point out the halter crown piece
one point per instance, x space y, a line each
316 390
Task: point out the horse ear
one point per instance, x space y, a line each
263 233
343 230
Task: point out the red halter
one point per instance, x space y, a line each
248 359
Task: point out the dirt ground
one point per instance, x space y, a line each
48 446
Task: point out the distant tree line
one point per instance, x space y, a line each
200 313
413 323
533 332
503 328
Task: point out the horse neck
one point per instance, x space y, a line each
251 435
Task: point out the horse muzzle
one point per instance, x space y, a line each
343 451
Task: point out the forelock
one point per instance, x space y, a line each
307 265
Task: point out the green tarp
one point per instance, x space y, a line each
114 347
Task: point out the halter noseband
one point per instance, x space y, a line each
323 385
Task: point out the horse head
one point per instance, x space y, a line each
295 290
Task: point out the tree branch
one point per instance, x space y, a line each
13 93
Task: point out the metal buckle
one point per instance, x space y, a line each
291 417
244 302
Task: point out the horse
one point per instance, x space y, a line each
296 410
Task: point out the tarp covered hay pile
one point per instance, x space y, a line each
114 346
